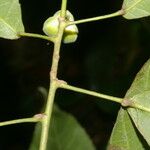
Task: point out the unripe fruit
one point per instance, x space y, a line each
51 25
70 34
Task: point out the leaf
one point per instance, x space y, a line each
10 19
139 93
124 135
65 134
136 8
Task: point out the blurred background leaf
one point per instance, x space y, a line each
64 133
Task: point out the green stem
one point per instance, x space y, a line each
52 89
37 36
46 121
92 93
63 8
129 103
24 120
118 13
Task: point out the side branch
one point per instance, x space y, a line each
88 92
118 13
33 35
24 120
124 102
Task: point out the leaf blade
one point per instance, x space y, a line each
136 8
10 19
124 135
139 93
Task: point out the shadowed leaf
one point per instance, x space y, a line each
65 134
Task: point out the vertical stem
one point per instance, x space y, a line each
63 8
46 121
53 78
53 87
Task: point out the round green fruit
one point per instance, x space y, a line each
70 34
50 27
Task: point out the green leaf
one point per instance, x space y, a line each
124 135
65 134
136 8
10 19
139 93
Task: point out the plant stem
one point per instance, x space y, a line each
37 36
92 93
63 8
46 121
24 120
53 87
53 78
118 13
104 96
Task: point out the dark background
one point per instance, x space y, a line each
105 58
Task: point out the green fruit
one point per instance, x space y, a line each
51 25
70 34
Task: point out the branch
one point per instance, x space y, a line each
118 13
124 102
24 120
33 35
88 92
